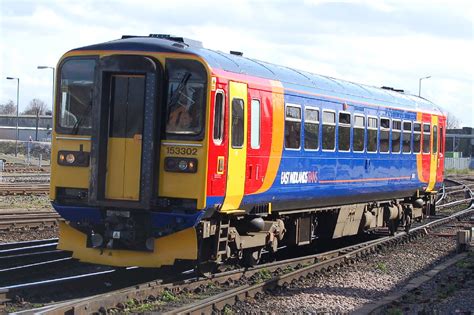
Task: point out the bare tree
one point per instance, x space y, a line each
452 122
8 109
36 107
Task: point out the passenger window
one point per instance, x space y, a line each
329 130
384 135
359 133
441 148
237 123
406 137
344 136
311 129
372 137
416 138
218 133
292 127
255 125
435 139
396 135
426 138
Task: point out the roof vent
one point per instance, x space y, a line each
178 39
392 89
236 53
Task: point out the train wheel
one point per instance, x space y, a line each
392 226
251 257
407 223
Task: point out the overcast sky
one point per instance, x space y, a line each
380 42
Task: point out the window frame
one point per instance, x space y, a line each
259 123
411 136
389 135
400 140
344 125
423 138
330 124
372 128
295 120
359 127
433 142
416 133
60 130
231 124
222 122
315 123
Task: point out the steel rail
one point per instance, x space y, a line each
230 297
154 288
27 243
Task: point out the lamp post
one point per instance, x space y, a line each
419 84
52 68
17 108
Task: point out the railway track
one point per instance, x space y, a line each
23 188
14 219
25 178
239 284
147 285
16 168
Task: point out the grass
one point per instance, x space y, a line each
394 311
168 296
263 275
465 171
382 267
227 310
447 291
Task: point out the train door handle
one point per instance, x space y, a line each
220 165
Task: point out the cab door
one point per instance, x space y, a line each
124 149
237 146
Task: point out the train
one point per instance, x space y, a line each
165 153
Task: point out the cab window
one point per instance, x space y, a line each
186 98
75 96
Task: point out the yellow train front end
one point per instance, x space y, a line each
128 170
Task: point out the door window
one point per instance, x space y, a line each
237 123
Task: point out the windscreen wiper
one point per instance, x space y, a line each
79 122
179 89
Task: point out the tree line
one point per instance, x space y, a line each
35 107
38 107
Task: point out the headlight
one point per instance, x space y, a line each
73 158
70 158
180 165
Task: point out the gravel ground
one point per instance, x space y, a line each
449 292
348 288
27 235
25 202
32 203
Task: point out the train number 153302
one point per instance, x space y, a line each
181 151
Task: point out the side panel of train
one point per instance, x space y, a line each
305 150
316 167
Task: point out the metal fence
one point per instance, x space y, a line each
458 163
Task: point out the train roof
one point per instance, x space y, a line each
291 78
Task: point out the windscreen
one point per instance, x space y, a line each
75 99
186 98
